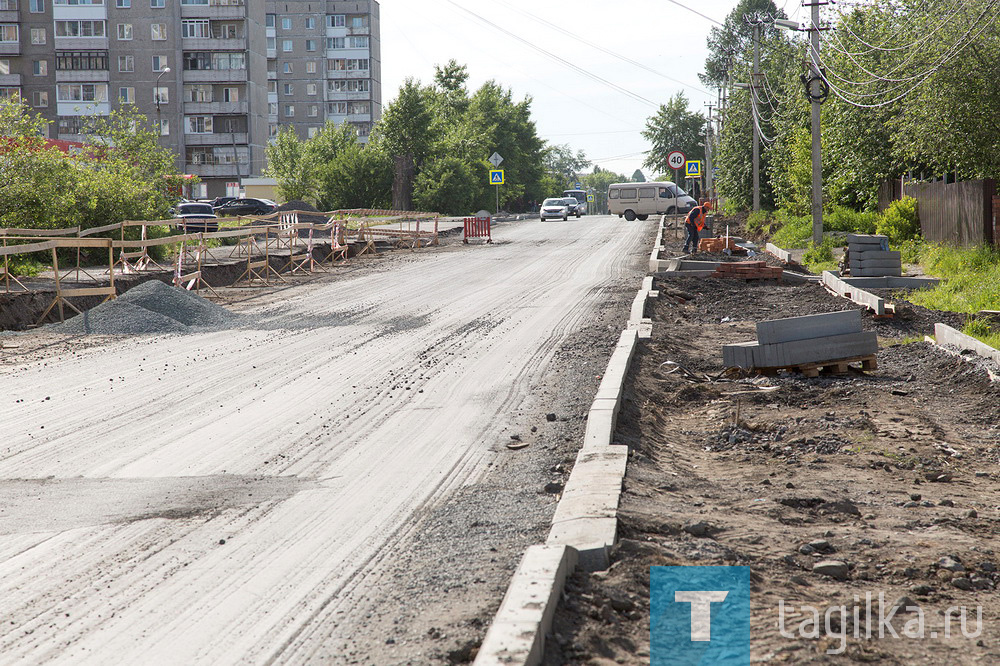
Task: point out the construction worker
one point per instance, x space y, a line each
694 223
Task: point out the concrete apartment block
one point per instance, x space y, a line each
72 59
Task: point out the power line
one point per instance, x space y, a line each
637 97
602 49
695 11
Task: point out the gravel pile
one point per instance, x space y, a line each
151 307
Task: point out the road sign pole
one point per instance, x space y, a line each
676 192
498 201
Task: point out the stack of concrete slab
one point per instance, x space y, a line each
870 256
802 341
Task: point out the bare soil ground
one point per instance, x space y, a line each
893 472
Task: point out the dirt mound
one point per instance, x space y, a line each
151 307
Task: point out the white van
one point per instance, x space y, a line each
640 200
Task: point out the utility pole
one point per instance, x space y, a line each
709 175
816 98
753 113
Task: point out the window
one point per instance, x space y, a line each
311 67
157 4
158 31
647 192
9 92
272 87
286 45
310 23
337 108
335 42
37 7
347 64
81 60
71 125
195 28
198 93
161 95
8 5
126 95
288 89
38 36
312 131
362 129
612 193
289 110
82 92
628 193
164 127
40 99
126 63
310 88
40 67
359 108
123 4
4 65
272 130
81 28
287 69
272 108
230 94
227 31
286 23
159 63
359 21
357 42
313 111
81 3
198 125
269 20
349 85
310 45
124 31
198 60
336 21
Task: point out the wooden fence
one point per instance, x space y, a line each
964 213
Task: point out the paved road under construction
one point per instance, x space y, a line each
232 495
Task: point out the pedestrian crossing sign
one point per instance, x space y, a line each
496 177
590 198
693 169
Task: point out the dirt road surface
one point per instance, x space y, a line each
330 482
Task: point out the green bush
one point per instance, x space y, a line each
900 221
821 257
911 250
758 222
850 221
795 232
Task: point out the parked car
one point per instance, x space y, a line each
219 201
246 207
554 208
196 217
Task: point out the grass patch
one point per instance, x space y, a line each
971 278
981 330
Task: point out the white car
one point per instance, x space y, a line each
554 208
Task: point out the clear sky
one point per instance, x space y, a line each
568 106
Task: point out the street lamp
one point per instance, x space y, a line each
156 98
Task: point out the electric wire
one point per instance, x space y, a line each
583 40
903 25
633 95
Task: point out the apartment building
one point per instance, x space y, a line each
217 76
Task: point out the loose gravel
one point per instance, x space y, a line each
151 307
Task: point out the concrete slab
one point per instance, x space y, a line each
517 634
946 335
784 255
692 265
877 272
673 274
876 254
891 282
875 263
798 278
587 515
789 329
874 303
817 350
638 310
866 238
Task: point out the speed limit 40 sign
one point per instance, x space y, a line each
676 159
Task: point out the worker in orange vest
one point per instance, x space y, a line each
694 223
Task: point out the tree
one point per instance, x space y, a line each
732 44
446 185
360 176
563 164
289 164
674 127
405 133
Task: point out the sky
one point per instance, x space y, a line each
568 106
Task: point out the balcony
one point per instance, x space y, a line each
81 43
9 16
359 117
212 44
217 139
69 75
83 108
214 75
235 9
213 108
348 74
218 170
347 96
10 79
359 31
10 48
79 12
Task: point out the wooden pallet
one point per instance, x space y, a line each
838 366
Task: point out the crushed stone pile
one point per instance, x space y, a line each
151 307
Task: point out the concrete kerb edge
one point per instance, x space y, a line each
945 336
517 633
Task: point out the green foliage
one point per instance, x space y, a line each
758 222
821 257
911 250
445 184
674 127
358 177
794 232
287 162
970 278
840 218
733 41
564 165
900 221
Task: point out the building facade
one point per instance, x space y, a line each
219 77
